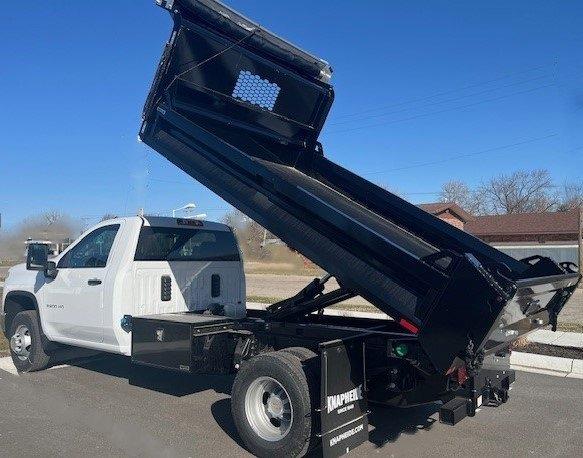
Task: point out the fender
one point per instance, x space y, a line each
5 319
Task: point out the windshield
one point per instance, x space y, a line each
182 244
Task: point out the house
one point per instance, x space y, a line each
553 234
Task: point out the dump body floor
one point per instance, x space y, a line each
362 216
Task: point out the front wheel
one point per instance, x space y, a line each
26 347
271 405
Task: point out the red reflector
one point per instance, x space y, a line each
462 375
408 326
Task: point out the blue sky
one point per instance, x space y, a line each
425 92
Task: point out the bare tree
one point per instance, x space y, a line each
54 226
249 234
458 192
51 217
572 197
519 192
454 191
234 218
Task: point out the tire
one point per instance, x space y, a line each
311 365
26 347
304 354
272 377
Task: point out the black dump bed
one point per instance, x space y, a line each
240 110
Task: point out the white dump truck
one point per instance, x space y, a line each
240 110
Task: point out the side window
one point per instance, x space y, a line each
92 250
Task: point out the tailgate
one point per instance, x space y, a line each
536 304
481 310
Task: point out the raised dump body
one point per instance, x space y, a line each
240 110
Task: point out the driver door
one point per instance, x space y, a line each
74 299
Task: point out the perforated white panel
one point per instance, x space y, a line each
253 89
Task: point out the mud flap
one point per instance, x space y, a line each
343 409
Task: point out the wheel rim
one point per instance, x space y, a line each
268 409
20 342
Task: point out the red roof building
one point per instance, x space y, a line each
526 227
553 234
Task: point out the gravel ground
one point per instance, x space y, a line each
573 311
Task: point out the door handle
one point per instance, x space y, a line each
94 281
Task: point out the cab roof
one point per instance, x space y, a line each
167 221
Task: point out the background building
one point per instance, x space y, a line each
553 234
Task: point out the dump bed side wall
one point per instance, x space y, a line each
426 226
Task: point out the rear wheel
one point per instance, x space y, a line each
304 354
26 347
271 405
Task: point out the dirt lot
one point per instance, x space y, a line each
273 287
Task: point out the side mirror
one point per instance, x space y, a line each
37 256
51 269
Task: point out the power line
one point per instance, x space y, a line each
441 102
425 193
185 183
450 91
460 156
409 118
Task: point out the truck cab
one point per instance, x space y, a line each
125 267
